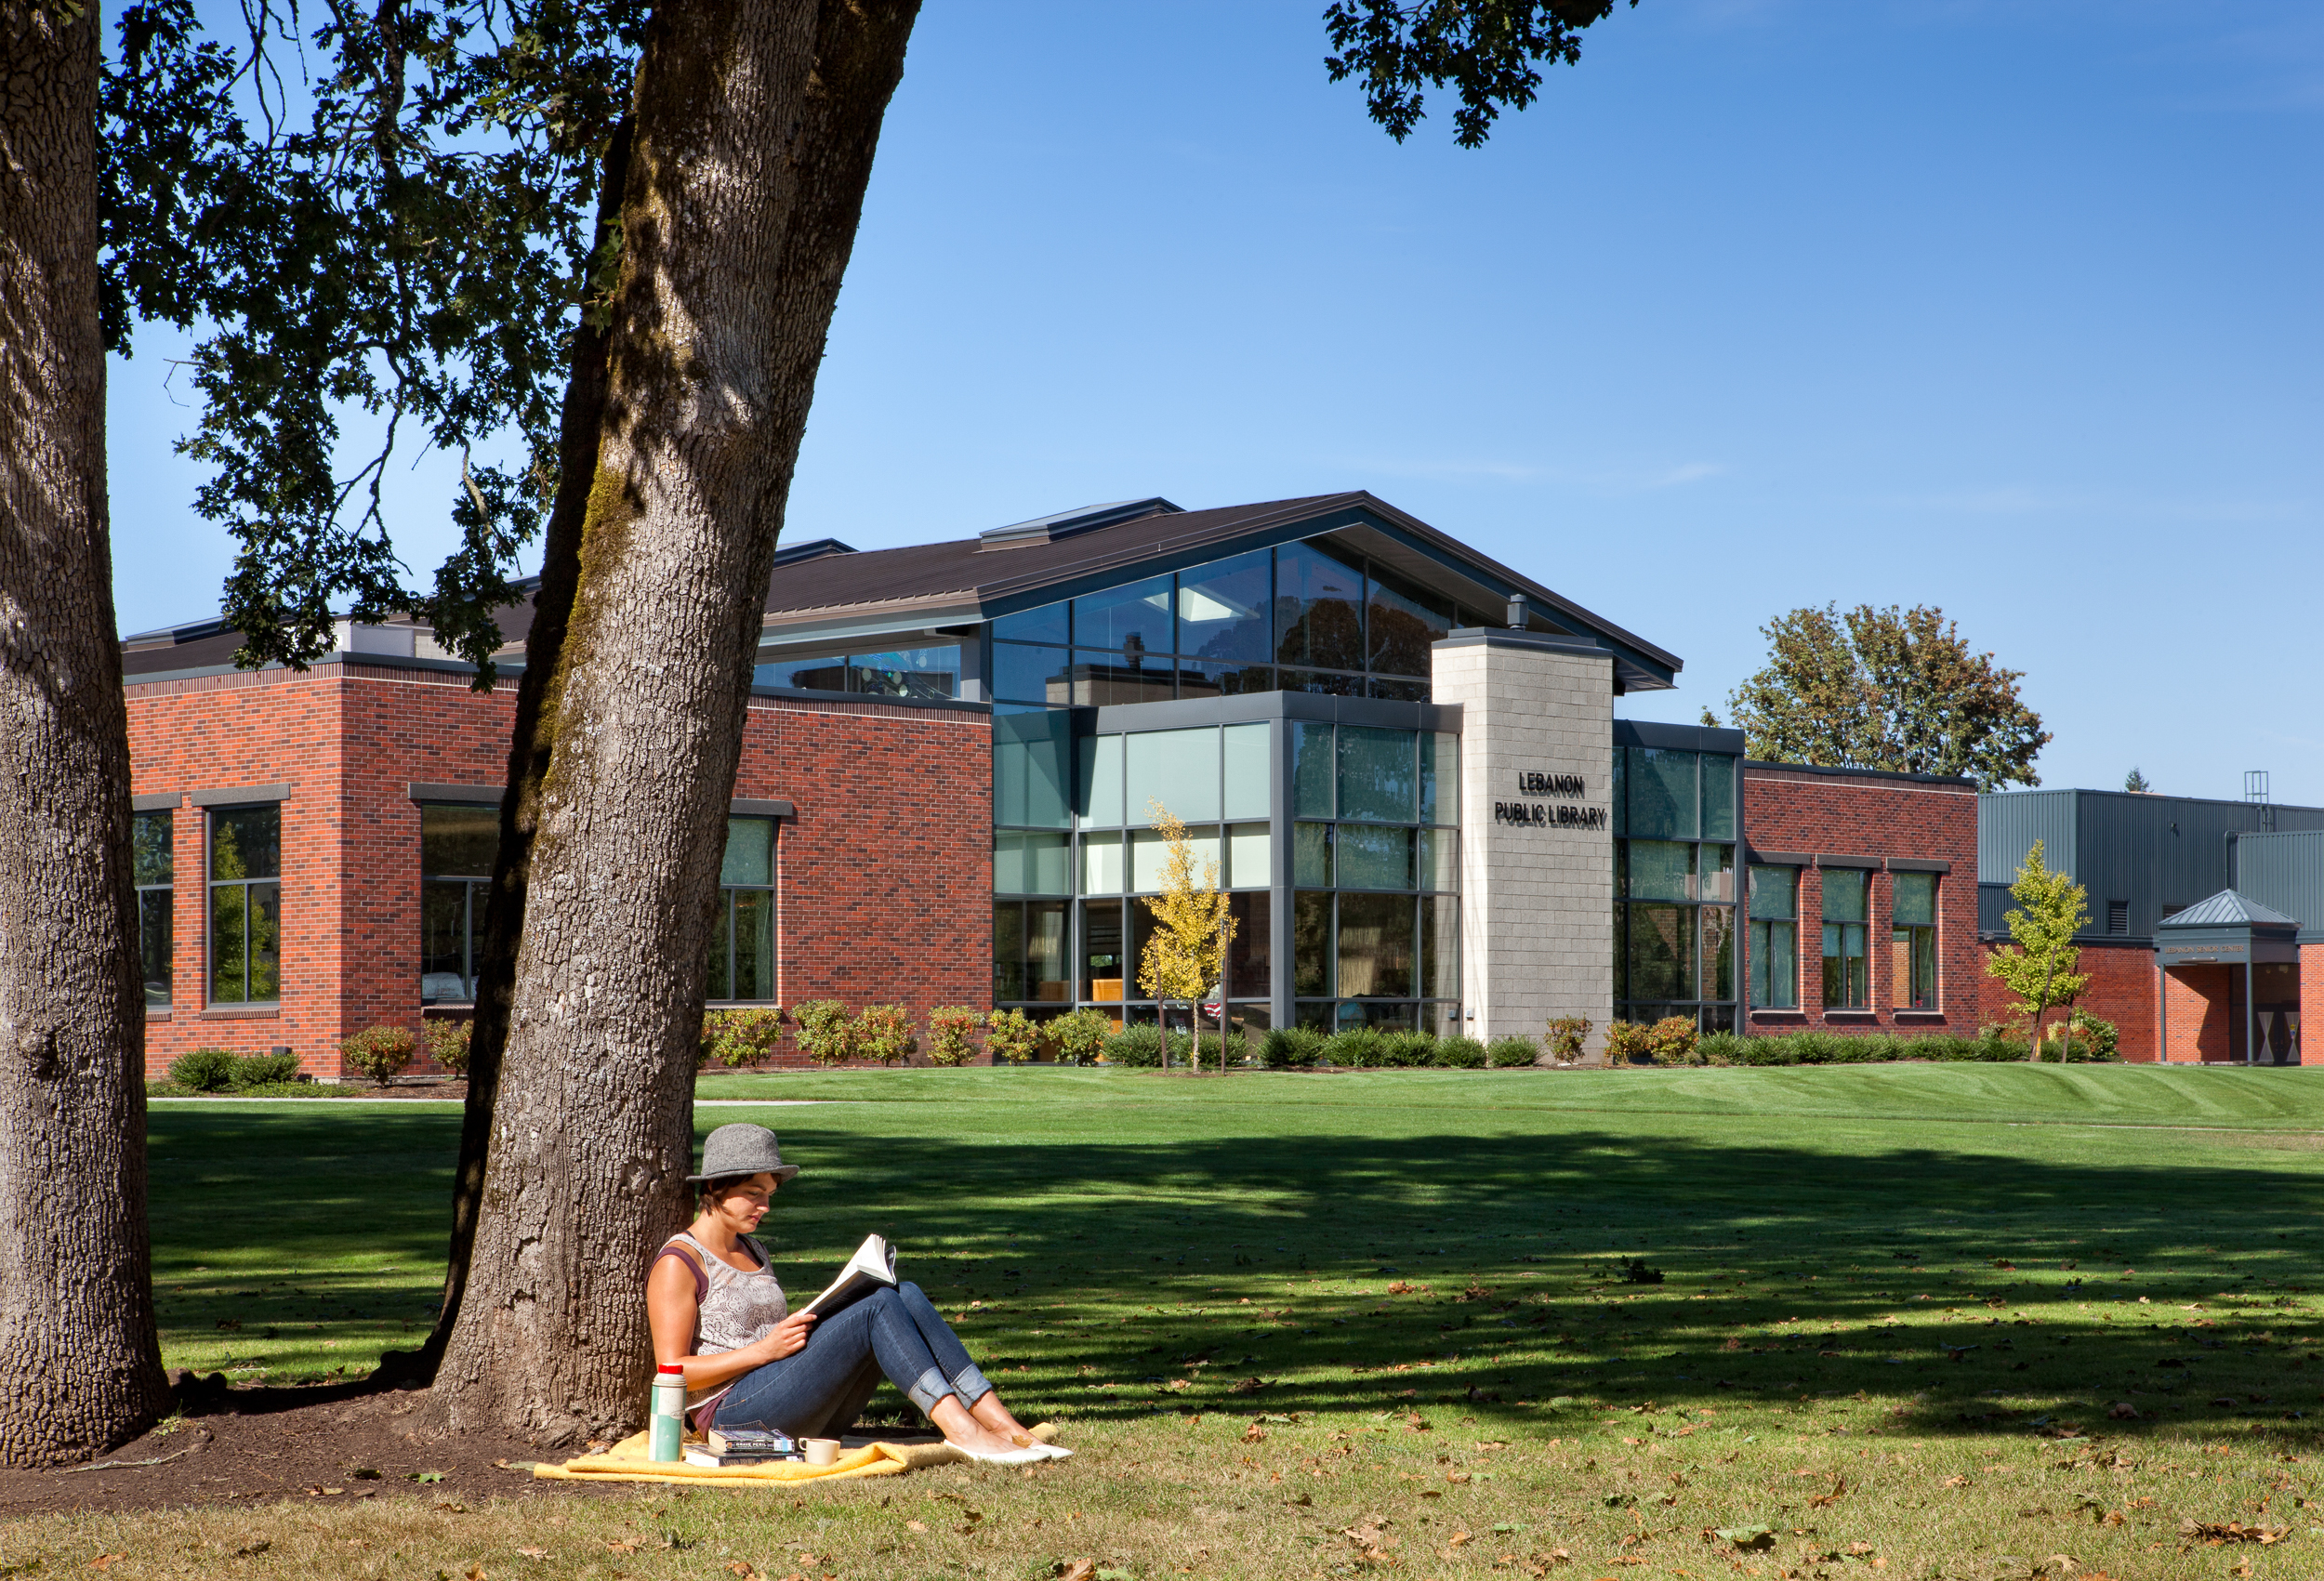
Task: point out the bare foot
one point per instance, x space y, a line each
992 1414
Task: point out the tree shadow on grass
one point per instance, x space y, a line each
1919 1289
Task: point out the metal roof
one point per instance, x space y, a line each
965 580
2227 909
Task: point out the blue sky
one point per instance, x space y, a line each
2007 306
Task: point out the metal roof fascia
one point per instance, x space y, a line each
772 634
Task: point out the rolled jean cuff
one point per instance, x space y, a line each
930 1387
971 1383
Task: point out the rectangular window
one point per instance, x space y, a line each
1150 858
1847 985
1178 769
1718 955
152 861
1440 778
1912 941
1718 797
1320 609
1404 621
1661 951
742 945
1022 674
246 905
1135 619
1249 954
1033 755
1440 947
1312 770
1662 804
1248 789
458 845
1434 866
1311 855
1249 856
1102 952
1310 944
1029 960
1374 858
1101 863
1225 609
1377 774
1032 865
1376 946
1774 945
1045 624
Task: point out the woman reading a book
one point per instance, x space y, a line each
717 1310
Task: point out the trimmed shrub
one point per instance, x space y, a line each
1080 1037
1355 1048
1671 1041
1459 1054
1139 1047
1629 1043
1290 1048
1183 1045
2102 1037
1508 1053
826 1033
1407 1050
733 1038
1011 1035
1567 1035
884 1033
1719 1049
203 1070
448 1041
380 1052
949 1027
262 1070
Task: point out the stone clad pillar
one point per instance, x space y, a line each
1537 835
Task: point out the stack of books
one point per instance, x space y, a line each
741 1446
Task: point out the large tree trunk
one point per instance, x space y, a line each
80 1364
756 125
530 753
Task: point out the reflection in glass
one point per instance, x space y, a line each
1320 609
752 925
1404 621
1376 946
1150 856
1718 797
1374 858
1223 608
1377 774
1045 624
1211 678
1661 951
1661 793
1844 894
1313 769
1774 942
151 857
1007 951
1440 947
1311 855
916 673
1390 690
1718 953
1311 943
1715 881
1249 958
1106 680
1134 616
1660 870
1100 786
1440 777
749 857
823 672
151 862
1320 684
1435 866
246 917
446 969
1030 675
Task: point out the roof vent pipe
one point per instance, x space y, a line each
1516 611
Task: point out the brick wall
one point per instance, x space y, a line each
1818 815
2199 1001
883 884
2121 990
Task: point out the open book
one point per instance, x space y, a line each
873 1266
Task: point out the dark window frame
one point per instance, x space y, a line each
248 884
728 903
165 891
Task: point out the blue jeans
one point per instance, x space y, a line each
818 1390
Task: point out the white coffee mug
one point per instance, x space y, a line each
822 1451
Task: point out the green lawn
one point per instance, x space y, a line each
1890 1276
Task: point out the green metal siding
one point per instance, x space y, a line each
2285 873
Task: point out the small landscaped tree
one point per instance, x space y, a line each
1186 952
950 1031
2039 966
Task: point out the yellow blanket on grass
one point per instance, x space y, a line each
628 1462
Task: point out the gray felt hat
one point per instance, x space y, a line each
742 1149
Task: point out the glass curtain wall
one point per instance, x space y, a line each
152 861
1375 919
1674 825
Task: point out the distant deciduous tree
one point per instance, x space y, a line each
1887 689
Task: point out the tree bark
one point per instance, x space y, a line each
529 745
756 124
80 1361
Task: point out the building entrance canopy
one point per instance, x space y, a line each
2241 961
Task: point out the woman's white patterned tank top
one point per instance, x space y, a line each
739 1309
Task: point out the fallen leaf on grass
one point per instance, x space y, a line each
251 1549
1826 1500
105 1561
534 1553
627 1545
915 1527
1080 1570
1754 1539
2217 1532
